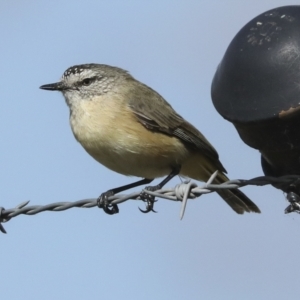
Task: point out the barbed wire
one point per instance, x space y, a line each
181 192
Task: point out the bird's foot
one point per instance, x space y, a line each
294 200
103 202
149 199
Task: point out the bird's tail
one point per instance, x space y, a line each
235 198
201 168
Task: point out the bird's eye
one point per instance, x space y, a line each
87 81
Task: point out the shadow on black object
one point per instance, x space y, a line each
257 88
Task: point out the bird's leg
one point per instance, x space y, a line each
112 209
151 199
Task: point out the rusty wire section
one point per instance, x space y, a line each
181 192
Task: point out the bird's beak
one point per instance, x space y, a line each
58 86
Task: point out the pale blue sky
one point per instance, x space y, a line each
174 47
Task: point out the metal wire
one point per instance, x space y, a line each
181 192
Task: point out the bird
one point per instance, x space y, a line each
131 129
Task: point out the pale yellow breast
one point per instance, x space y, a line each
110 132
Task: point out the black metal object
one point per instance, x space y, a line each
257 88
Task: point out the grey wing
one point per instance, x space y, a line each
156 114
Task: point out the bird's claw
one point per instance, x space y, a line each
149 199
102 202
149 206
294 200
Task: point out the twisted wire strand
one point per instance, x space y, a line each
181 192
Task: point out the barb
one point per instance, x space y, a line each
181 192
